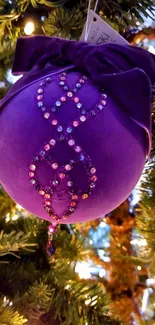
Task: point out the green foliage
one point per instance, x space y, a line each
13 242
8 316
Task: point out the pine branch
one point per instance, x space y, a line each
8 316
13 242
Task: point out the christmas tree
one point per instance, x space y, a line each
99 272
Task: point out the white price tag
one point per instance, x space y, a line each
99 32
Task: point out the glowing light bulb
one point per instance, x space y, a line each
29 28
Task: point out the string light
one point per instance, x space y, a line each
29 28
83 269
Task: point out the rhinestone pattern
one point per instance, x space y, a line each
62 173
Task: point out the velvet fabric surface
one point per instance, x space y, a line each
117 139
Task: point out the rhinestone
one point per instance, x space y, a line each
33 181
78 85
47 202
69 94
66 87
73 204
58 103
103 102
104 96
47 196
79 105
60 128
76 100
52 142
36 159
63 99
69 129
93 113
54 122
40 97
74 197
47 147
64 74
54 165
33 167
69 183
47 115
82 118
81 81
62 137
71 162
48 79
83 111
75 124
43 108
62 78
55 182
41 192
62 175
85 196
40 104
100 107
93 170
82 157
71 209
71 142
31 174
64 217
42 153
40 91
68 167
42 83
92 185
74 90
47 209
53 109
84 77
77 148
61 83
94 178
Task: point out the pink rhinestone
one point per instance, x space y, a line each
63 99
64 74
54 122
77 148
41 192
46 115
93 170
84 77
103 102
39 97
47 202
94 178
62 175
31 174
33 167
47 147
76 99
71 142
47 196
68 167
75 124
82 118
81 81
52 142
33 181
55 166
40 91
69 94
62 78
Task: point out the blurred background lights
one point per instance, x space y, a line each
29 28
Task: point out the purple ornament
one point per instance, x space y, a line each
106 134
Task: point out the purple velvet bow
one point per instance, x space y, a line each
125 72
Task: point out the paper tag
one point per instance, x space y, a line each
100 32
